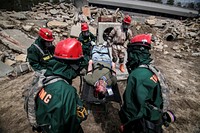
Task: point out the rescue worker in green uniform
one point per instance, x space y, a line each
42 50
143 91
58 107
87 39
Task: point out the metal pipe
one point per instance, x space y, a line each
169 37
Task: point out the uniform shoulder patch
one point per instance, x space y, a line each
154 78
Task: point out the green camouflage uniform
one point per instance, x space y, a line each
98 73
118 40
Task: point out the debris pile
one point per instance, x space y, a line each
185 34
18 30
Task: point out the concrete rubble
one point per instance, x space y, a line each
18 30
5 69
15 40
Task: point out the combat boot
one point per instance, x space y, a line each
121 68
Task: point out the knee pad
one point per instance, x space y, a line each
114 59
121 60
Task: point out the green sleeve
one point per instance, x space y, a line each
80 38
73 120
134 98
33 57
93 38
89 79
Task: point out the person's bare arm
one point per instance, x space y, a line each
90 67
114 69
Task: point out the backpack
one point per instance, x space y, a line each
31 92
163 85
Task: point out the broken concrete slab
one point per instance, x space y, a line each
159 24
86 11
27 27
9 62
196 54
192 34
22 69
62 6
39 23
65 34
150 22
21 57
75 30
54 11
6 24
5 69
16 40
57 24
17 15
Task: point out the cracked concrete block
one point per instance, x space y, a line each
16 40
27 27
86 11
151 22
21 57
6 24
57 24
18 15
54 11
5 69
9 62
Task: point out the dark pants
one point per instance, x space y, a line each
143 126
80 130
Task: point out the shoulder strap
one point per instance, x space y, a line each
53 79
164 86
41 51
101 66
126 33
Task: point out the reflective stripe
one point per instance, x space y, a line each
47 57
41 51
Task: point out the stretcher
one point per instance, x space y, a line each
92 103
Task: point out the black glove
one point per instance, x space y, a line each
168 117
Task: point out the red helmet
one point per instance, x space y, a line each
127 19
69 48
84 27
46 34
142 39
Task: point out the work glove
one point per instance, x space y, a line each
105 43
93 43
168 117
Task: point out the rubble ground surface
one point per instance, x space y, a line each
178 59
183 76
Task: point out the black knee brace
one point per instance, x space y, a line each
121 60
114 59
